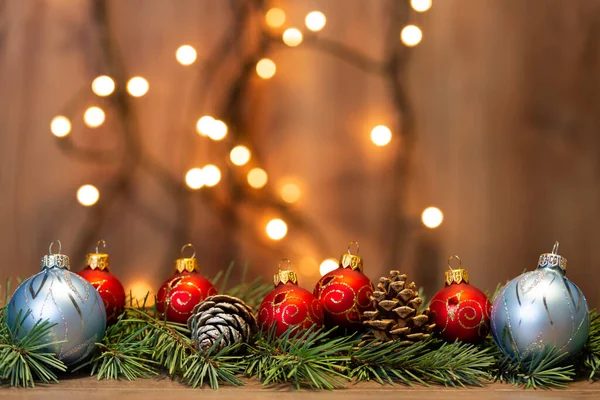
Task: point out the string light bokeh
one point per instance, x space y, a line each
209 127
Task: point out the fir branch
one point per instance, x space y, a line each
429 361
123 353
546 370
26 360
215 366
590 356
310 358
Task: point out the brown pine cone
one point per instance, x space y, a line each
221 316
396 315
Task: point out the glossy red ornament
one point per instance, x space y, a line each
345 293
460 310
178 296
97 272
289 305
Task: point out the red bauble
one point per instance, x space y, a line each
289 305
108 285
460 310
345 294
178 296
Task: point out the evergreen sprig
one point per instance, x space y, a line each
216 366
310 358
546 370
590 357
252 293
23 361
429 361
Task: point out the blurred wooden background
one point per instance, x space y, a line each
505 98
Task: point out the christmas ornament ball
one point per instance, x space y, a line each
288 305
178 296
65 299
460 310
541 310
345 293
97 272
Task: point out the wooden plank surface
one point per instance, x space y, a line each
90 389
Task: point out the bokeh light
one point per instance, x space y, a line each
411 35
217 130
103 85
315 21
292 37
88 195
204 125
381 135
186 55
432 217
137 86
141 290
290 192
194 178
328 265
60 126
266 68
94 117
420 5
239 155
276 229
275 17
211 175
257 178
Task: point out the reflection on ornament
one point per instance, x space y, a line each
289 305
65 299
541 310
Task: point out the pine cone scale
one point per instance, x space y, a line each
396 316
221 318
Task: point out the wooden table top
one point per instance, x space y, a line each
89 388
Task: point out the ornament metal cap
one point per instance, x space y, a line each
456 275
97 260
553 260
187 264
352 261
286 275
55 260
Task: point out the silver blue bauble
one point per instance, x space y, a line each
541 311
65 299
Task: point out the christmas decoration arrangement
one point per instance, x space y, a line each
542 332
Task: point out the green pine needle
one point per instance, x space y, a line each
311 358
546 370
590 357
24 361
429 361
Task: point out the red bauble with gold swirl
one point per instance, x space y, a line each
345 293
460 310
289 305
178 296
97 272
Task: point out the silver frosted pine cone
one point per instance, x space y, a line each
221 316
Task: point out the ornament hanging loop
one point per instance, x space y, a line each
350 246
457 258
52 244
555 248
285 260
191 246
102 243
